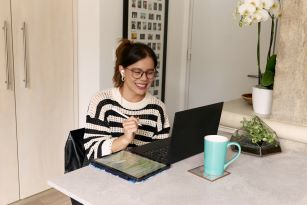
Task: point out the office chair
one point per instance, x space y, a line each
75 157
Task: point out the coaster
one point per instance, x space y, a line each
199 171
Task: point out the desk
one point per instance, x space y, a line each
279 179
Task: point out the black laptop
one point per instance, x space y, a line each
187 139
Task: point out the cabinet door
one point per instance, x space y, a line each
9 189
44 104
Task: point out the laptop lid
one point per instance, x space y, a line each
188 131
190 127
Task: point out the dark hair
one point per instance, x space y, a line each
128 53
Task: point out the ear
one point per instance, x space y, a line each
121 70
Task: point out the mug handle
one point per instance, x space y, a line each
235 156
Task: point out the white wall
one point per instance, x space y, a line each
176 56
100 28
88 53
111 23
223 54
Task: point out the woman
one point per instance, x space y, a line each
107 130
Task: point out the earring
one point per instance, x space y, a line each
123 77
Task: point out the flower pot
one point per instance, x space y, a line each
262 100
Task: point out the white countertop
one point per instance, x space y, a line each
279 179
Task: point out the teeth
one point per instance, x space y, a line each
141 85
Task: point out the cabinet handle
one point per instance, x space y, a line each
25 62
7 81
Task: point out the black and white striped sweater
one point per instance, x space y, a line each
103 125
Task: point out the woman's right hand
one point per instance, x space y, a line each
130 126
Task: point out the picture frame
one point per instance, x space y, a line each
146 21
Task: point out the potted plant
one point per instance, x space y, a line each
256 137
258 11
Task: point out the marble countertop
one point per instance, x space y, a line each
278 179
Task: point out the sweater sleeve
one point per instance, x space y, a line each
163 126
97 137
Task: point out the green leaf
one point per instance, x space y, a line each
267 79
270 66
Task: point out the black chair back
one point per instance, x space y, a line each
74 150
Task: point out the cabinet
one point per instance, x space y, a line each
36 93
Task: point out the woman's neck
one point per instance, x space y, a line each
129 96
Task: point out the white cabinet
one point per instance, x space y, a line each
36 93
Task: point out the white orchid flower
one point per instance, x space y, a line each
247 20
246 9
256 3
267 4
275 9
260 15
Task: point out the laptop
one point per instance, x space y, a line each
187 139
187 136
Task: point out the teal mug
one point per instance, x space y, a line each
215 154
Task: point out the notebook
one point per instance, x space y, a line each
187 139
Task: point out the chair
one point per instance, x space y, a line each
75 157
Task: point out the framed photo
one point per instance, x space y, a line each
145 21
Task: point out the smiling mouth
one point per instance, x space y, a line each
141 86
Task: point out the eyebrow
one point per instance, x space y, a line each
142 69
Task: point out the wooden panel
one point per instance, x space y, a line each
49 197
45 107
9 190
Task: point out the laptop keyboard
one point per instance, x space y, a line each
160 154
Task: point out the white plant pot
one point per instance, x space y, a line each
262 100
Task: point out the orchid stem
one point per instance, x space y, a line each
258 53
271 38
275 34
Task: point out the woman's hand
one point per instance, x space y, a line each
130 126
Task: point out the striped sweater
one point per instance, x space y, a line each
103 125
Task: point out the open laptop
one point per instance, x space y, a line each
189 128
187 136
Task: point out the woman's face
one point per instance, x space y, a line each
138 79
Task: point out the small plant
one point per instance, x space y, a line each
258 131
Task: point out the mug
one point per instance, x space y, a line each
215 154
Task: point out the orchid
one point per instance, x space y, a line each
257 11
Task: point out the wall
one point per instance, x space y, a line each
289 94
222 53
88 53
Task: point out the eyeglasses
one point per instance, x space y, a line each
138 73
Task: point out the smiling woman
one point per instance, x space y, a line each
109 131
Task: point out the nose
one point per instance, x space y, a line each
144 76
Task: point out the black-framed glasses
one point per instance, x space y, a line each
137 73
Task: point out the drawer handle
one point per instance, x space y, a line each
7 81
25 60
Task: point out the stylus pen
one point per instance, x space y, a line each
122 114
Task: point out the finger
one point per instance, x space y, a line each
130 122
131 128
